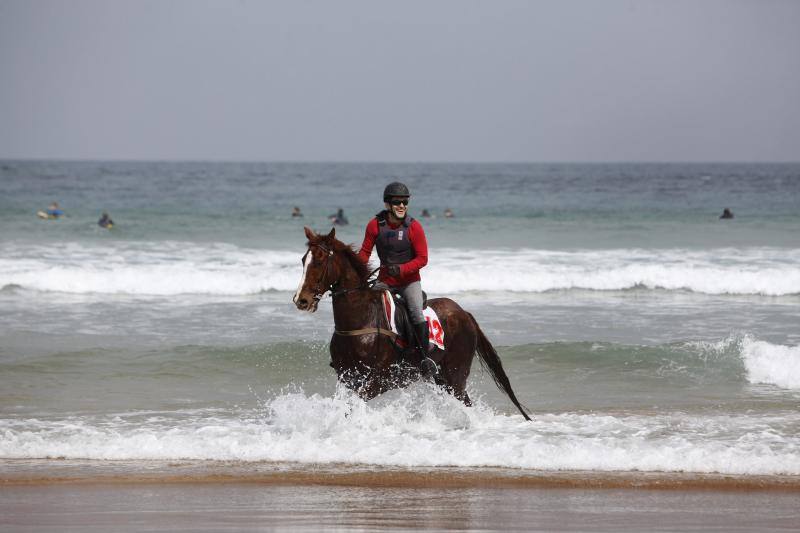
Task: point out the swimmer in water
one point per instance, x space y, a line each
105 221
339 219
52 212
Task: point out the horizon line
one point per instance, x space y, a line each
401 162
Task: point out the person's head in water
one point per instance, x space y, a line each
726 213
448 213
339 218
425 213
395 198
296 212
105 221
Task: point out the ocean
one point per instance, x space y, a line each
644 334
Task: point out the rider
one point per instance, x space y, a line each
403 251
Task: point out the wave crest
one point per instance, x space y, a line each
773 364
168 268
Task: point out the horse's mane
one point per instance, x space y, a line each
363 270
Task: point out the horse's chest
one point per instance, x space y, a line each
358 353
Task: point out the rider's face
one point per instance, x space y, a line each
398 207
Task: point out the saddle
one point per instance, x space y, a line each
399 320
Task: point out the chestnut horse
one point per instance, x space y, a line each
363 350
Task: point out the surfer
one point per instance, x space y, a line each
403 251
339 219
726 213
448 213
296 213
53 211
105 221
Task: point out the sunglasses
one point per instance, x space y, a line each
399 201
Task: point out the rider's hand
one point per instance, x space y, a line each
393 270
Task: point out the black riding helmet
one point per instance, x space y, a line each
395 188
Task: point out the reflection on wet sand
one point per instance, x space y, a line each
254 506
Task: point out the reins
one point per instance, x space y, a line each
364 286
319 291
368 285
369 331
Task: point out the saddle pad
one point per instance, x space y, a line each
435 329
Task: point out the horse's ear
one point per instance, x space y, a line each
309 233
332 234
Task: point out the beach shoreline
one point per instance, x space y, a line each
69 472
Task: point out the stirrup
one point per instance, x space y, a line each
428 368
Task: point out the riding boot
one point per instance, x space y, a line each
427 365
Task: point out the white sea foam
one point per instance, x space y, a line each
166 268
418 427
764 362
773 364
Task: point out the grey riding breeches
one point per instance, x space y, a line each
412 294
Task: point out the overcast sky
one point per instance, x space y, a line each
429 80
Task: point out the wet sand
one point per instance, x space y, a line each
255 507
197 496
18 472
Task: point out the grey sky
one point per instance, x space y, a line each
429 80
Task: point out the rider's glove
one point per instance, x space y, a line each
393 270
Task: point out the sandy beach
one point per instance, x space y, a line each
197 496
237 506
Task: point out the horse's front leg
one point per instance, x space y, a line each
374 384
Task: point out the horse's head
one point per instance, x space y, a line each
320 270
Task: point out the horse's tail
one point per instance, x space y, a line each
491 362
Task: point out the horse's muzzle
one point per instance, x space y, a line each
306 304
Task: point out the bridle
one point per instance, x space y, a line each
320 289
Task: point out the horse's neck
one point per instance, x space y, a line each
354 308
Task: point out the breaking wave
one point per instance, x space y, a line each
167 268
420 427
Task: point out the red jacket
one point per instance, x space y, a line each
409 272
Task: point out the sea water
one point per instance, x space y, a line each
642 332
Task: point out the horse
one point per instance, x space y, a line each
363 349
